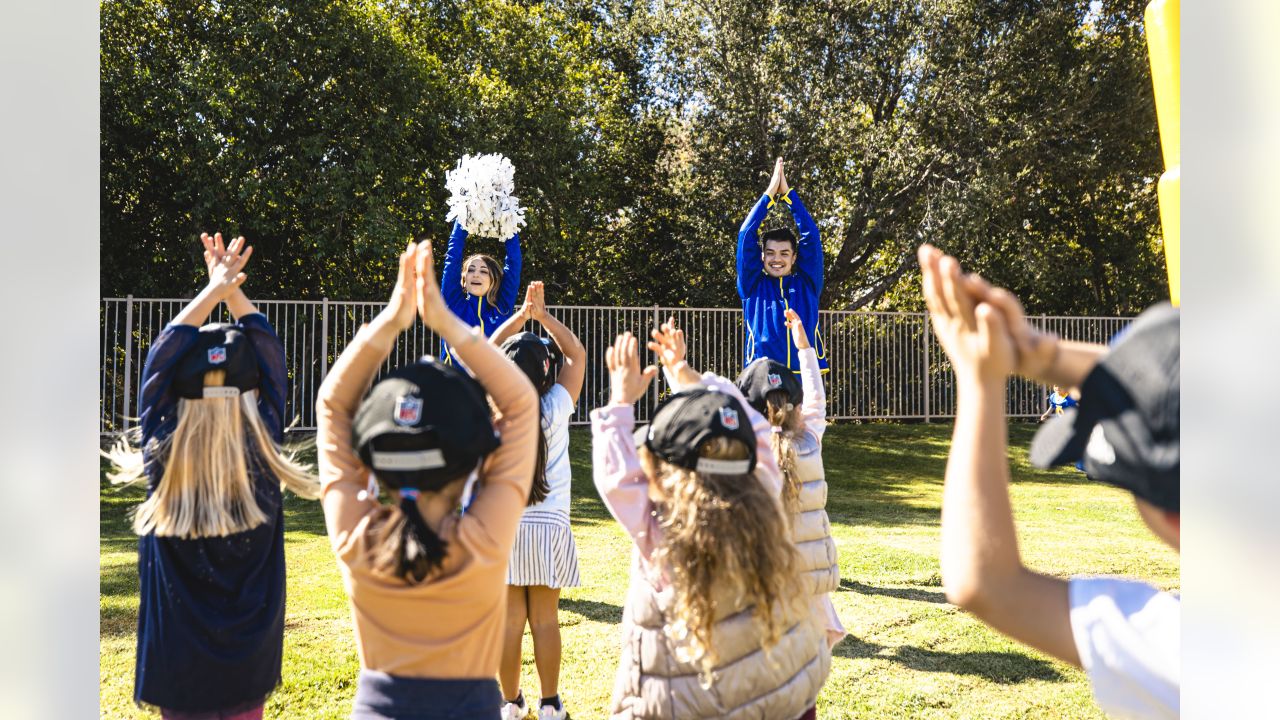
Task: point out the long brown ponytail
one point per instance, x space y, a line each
787 423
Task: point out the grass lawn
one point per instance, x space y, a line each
910 653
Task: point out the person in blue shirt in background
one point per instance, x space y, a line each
777 273
1058 403
477 289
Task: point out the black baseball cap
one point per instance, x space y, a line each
687 419
424 425
532 354
765 376
1126 427
218 346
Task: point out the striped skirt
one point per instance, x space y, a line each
544 552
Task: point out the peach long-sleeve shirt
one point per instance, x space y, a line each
450 625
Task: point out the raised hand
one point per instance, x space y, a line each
796 326
775 182
668 343
225 264
431 305
537 301
403 304
783 187
1036 349
627 381
972 331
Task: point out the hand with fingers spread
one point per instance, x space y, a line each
796 326
627 381
403 305
225 265
972 331
668 343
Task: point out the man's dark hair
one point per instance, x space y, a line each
780 235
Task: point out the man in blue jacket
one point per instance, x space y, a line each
775 272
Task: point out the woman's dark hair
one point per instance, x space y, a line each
405 545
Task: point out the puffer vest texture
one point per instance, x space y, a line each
653 684
810 527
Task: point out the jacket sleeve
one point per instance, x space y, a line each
156 398
814 407
621 482
749 264
511 267
272 371
451 275
809 256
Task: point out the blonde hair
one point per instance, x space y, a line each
207 489
722 534
788 422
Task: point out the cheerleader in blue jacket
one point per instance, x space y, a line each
776 273
478 290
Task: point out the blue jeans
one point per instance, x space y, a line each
380 696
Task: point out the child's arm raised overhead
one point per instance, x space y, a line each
574 371
343 477
814 407
489 526
615 466
982 570
267 346
155 396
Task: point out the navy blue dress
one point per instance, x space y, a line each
211 611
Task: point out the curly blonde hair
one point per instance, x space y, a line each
206 489
721 535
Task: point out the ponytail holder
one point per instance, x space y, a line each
409 494
789 407
776 429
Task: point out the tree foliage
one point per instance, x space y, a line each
1020 135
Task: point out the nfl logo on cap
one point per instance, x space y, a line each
775 380
217 355
408 410
729 418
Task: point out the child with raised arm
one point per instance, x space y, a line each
544 558
712 627
477 289
776 273
426 584
1124 633
211 569
797 410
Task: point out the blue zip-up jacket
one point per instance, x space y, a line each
765 298
211 610
475 311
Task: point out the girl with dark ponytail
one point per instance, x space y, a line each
544 558
426 583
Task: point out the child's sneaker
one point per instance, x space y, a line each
548 712
515 711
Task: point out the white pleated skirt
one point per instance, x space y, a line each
544 552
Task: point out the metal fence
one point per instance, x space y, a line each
884 366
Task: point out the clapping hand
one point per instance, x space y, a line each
402 306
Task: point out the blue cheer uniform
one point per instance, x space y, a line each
476 311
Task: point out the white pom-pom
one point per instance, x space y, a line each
480 196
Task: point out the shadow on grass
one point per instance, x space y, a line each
929 596
1005 668
593 610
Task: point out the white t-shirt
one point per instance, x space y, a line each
1128 635
557 408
